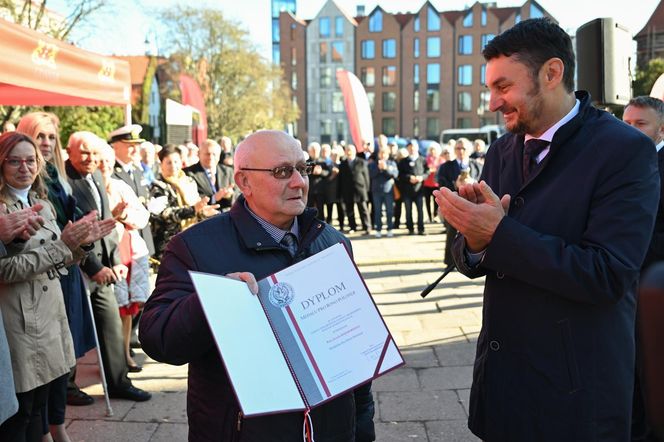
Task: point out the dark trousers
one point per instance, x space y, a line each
364 214
398 204
449 238
27 424
340 213
109 330
418 200
430 202
317 201
57 402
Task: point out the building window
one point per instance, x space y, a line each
416 127
389 75
517 18
325 77
371 97
485 96
468 20
464 102
433 131
466 44
275 29
389 126
292 31
483 17
337 102
293 80
535 11
416 23
322 52
324 103
433 20
293 56
376 21
341 130
276 54
389 101
416 101
368 49
433 100
324 26
433 73
368 76
483 75
433 47
463 123
485 121
416 74
326 131
338 26
338 51
416 47
465 77
389 48
486 38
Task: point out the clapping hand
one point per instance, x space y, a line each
202 207
119 212
20 224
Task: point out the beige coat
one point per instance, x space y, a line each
33 308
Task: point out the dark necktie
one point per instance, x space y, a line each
531 150
289 242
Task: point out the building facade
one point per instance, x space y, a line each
279 6
423 71
650 39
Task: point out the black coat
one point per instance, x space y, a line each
354 183
656 248
105 251
139 185
449 171
223 177
555 356
407 168
173 329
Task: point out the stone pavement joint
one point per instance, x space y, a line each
426 400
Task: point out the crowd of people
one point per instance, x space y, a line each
380 181
91 218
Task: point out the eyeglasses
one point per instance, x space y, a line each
285 172
16 162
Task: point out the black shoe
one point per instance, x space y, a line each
79 398
130 392
134 368
421 233
411 232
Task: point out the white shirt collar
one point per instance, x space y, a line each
548 135
659 145
125 167
21 194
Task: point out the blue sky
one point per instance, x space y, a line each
122 27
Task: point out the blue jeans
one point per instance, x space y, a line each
380 198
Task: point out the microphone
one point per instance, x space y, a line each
433 285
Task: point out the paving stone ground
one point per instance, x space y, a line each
427 400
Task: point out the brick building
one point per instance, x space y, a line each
650 39
423 71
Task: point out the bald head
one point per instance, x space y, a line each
261 146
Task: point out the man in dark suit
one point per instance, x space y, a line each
559 226
412 172
213 180
354 186
125 142
647 115
448 172
101 265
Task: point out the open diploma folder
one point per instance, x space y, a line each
312 333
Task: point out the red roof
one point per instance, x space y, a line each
403 18
504 13
656 21
452 16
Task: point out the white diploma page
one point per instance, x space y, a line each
328 325
254 362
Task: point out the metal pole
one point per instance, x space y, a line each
109 410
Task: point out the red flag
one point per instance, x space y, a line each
357 109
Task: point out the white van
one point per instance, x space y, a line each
488 133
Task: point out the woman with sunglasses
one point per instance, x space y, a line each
33 308
183 206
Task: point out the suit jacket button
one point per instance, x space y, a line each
500 275
494 345
45 288
42 241
519 202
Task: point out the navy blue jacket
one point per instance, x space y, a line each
173 329
555 356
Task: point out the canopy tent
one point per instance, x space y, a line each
40 70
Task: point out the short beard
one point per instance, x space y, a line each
534 109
